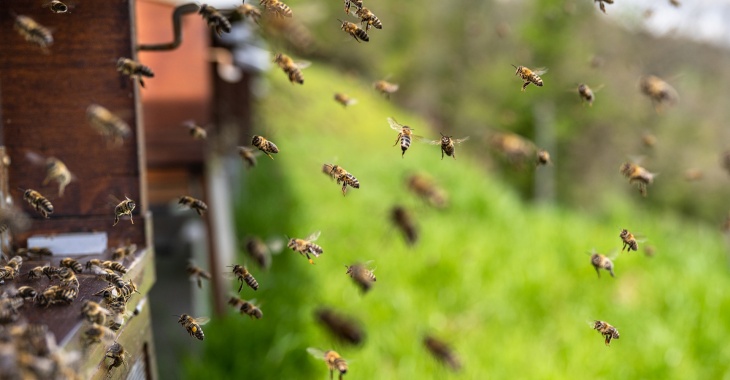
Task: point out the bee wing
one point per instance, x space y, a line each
302 64
202 320
613 254
540 71
275 245
316 352
429 141
459 141
314 236
394 124
35 158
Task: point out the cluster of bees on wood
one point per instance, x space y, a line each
107 318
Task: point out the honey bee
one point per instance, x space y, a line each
40 251
56 170
27 293
67 277
514 148
529 76
427 190
215 19
600 261
601 5
118 355
192 325
355 31
629 241
247 10
357 3
343 328
609 332
56 6
109 276
119 254
97 333
306 246
368 19
332 358
126 291
344 99
448 145
405 224
9 309
72 264
243 275
15 263
113 128
659 91
341 175
39 202
637 174
115 266
48 271
57 294
675 3
248 156
196 131
543 157
291 68
246 307
405 133
134 69
196 204
586 94
7 273
124 207
94 313
442 352
386 88
264 145
260 251
277 8
197 273
33 32
362 276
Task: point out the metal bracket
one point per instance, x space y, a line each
176 29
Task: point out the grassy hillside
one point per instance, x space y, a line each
509 285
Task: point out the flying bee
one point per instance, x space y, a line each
516 149
343 328
600 261
341 175
442 352
109 125
348 3
248 156
602 5
16 262
56 170
659 91
543 157
196 131
27 293
629 241
529 76
94 313
675 3
56 6
344 99
192 325
403 220
332 358
134 69
250 309
306 246
586 94
197 273
264 145
261 251
637 174
427 190
291 68
362 276
609 332
248 11
124 207
97 333
118 355
648 139
196 204
244 276
355 31
72 264
39 202
368 19
277 8
34 32
448 145
386 88
215 19
120 253
405 134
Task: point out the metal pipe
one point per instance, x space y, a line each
176 29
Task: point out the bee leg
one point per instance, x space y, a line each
396 142
240 287
141 82
598 272
131 219
269 154
442 154
200 212
356 39
332 374
116 220
344 188
524 85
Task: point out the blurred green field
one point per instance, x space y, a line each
508 284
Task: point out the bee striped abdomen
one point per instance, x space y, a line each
536 80
250 281
405 143
39 202
362 34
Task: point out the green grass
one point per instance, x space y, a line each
508 284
